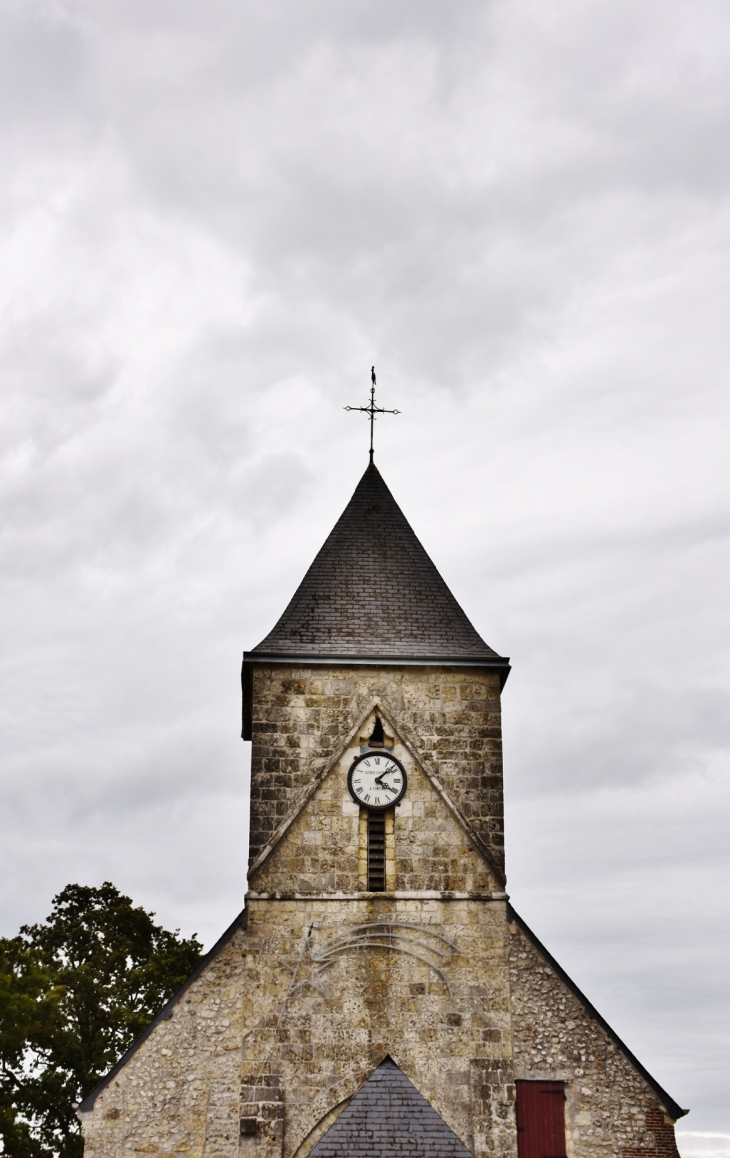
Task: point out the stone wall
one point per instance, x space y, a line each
301 715
267 1044
179 1092
324 849
610 1109
446 1027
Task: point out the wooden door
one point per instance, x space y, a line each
540 1120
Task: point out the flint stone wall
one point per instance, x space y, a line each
179 1092
610 1111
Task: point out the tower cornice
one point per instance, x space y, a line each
500 664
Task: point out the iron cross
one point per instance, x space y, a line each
372 409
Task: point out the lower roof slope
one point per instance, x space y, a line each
372 591
387 1117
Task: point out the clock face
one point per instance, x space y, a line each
377 780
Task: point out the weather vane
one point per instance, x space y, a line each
372 409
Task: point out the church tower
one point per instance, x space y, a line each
378 995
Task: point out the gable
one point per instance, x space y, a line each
179 1082
322 849
388 1116
558 1033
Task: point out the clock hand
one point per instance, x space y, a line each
386 787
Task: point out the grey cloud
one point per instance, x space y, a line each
214 221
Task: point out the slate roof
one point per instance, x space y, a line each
389 1117
372 591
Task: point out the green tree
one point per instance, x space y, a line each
75 991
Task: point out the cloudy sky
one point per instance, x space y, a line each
214 218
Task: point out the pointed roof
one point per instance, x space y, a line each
387 1116
373 592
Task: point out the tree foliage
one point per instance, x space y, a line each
75 991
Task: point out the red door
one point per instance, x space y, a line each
540 1120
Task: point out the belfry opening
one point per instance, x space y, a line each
377 736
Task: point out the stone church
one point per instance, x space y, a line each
378 994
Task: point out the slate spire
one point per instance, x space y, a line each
372 592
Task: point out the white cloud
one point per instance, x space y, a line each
703 1144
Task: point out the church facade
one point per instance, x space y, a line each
378 994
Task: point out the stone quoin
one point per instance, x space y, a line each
378 994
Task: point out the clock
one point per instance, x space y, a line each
377 780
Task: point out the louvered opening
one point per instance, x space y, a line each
376 852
